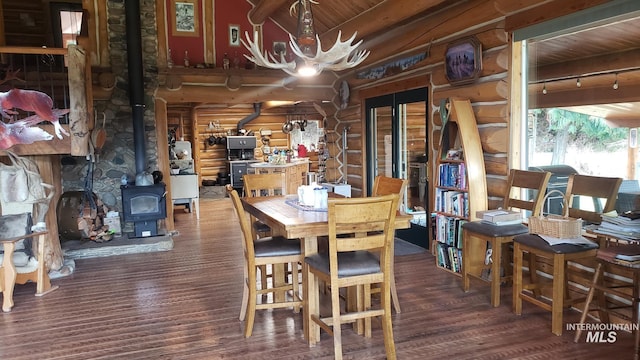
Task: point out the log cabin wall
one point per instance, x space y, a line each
489 95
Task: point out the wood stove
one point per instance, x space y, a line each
239 154
144 206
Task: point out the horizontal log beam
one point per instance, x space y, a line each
262 9
545 12
244 95
387 15
619 61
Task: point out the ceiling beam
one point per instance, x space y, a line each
608 63
386 15
582 96
547 11
421 31
263 9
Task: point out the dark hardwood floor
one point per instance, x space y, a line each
184 304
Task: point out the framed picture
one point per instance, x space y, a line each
234 35
185 17
279 47
463 61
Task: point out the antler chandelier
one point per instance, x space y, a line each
310 59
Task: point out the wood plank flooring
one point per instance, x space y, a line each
184 304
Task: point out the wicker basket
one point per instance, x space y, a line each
561 227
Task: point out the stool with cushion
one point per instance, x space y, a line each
269 251
603 191
608 290
479 236
22 258
361 259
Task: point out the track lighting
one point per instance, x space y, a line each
615 83
578 83
544 89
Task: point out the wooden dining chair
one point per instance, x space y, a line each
361 231
264 185
479 236
268 251
603 192
384 185
21 258
607 289
256 185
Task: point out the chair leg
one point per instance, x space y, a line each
557 302
337 329
251 305
394 293
517 279
387 327
495 273
585 310
9 277
245 294
295 285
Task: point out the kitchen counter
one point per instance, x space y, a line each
294 162
296 172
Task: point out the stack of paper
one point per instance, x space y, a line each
625 226
500 217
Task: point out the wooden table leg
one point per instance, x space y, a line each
310 294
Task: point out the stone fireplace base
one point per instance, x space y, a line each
122 245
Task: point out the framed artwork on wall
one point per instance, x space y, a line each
184 14
279 47
463 61
234 35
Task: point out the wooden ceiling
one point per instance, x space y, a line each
598 56
595 55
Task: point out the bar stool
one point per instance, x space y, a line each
559 254
600 287
598 188
478 235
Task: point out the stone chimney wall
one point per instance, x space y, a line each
117 157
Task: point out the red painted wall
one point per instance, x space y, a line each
178 44
226 12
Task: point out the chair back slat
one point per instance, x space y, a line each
369 221
600 189
264 184
245 224
534 181
384 185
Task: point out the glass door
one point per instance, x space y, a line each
396 128
396 142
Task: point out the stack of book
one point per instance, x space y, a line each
626 255
500 217
625 226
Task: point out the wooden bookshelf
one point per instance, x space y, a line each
461 185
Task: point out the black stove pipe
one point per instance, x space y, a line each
136 80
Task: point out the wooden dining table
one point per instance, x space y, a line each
287 219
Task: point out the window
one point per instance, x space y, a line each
577 92
66 22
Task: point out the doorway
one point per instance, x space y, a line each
396 128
